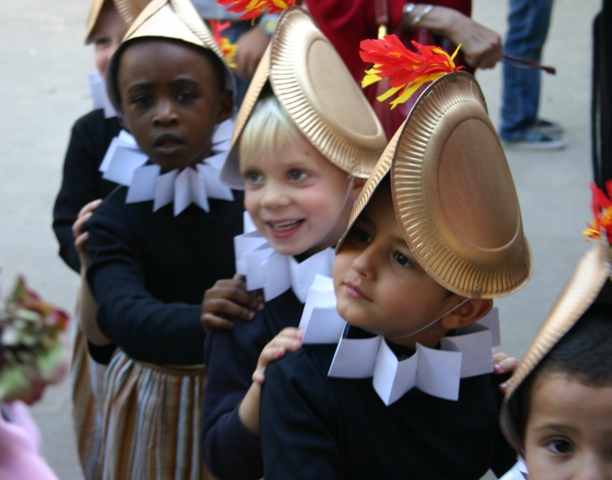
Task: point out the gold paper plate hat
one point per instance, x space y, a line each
92 18
173 19
128 9
453 192
589 280
313 85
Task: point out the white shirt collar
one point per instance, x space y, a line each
124 163
517 472
273 272
97 90
436 372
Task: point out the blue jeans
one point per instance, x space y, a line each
528 23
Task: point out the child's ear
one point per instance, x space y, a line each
226 106
122 122
470 312
358 184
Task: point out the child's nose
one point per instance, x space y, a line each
165 113
274 196
365 263
593 467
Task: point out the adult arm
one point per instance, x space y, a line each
481 47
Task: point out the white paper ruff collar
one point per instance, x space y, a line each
97 90
517 472
124 164
266 269
437 372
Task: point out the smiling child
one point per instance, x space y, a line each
305 140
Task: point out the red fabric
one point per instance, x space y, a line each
347 22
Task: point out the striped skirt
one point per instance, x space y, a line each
152 421
87 384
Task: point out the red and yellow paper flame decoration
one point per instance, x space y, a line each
405 70
254 8
602 213
227 48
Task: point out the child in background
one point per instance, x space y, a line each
558 408
428 248
305 139
158 244
91 135
82 186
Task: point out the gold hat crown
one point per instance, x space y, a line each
453 192
315 88
173 19
585 286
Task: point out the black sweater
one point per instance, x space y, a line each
316 427
150 271
82 181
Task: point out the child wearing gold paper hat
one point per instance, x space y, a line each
405 388
160 240
82 183
91 135
558 409
305 140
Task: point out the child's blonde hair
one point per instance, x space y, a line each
269 129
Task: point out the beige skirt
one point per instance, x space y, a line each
87 384
152 420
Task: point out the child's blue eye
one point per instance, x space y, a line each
253 177
560 446
402 259
100 42
296 174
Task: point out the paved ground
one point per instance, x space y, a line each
43 89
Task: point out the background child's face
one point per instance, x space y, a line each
298 199
379 286
569 430
107 35
171 101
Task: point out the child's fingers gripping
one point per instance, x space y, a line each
503 363
229 298
288 340
209 321
254 300
77 226
83 216
79 243
90 207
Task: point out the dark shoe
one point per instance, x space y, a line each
547 127
534 140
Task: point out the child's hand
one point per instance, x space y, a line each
230 298
289 339
503 363
80 237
